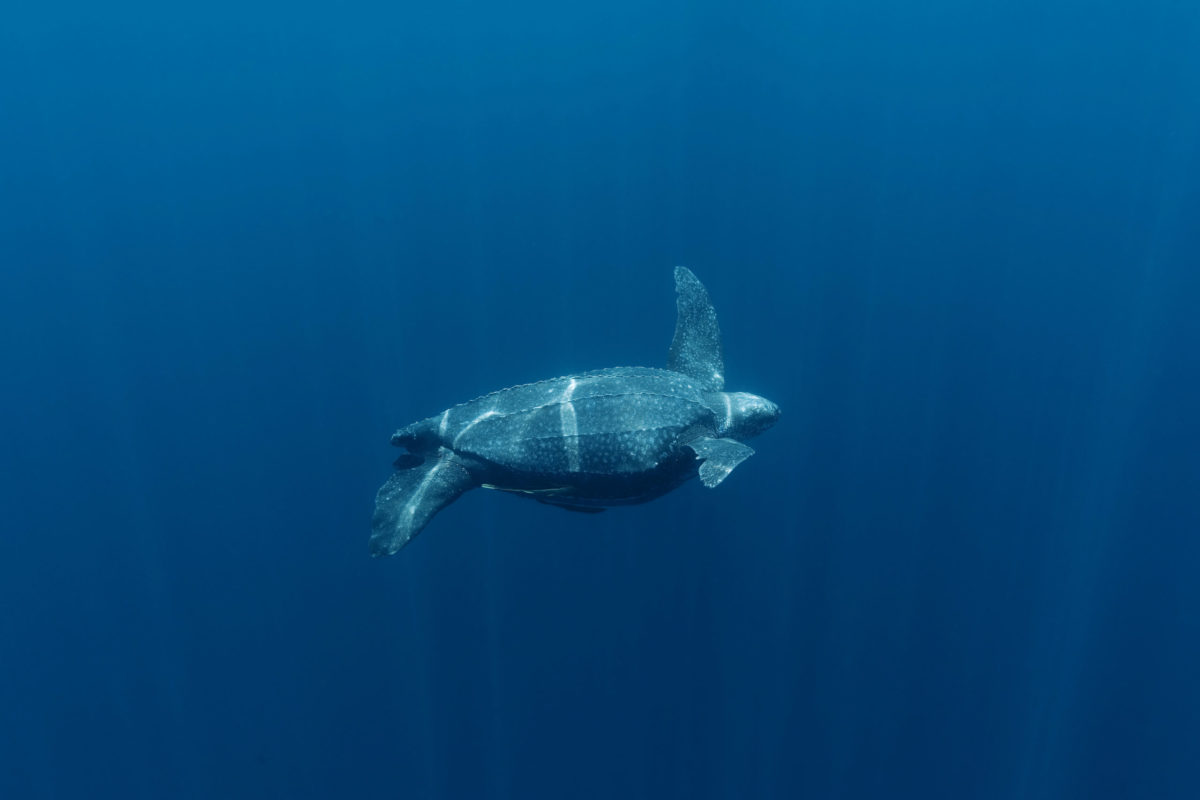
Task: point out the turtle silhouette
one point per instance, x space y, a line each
584 442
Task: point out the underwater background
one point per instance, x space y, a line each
957 243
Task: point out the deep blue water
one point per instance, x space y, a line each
959 244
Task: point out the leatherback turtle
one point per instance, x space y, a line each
582 442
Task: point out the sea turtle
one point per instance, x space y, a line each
609 437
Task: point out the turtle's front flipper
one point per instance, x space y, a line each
696 348
720 456
410 498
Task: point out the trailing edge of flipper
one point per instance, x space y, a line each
719 457
696 348
409 499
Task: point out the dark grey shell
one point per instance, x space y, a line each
620 421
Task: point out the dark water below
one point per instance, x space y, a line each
960 247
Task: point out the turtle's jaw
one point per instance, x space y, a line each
743 415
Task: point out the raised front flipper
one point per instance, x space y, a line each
696 348
410 498
720 456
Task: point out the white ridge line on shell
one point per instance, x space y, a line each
442 424
636 372
728 412
570 427
472 424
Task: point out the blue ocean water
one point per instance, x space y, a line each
959 244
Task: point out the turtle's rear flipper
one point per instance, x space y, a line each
720 456
410 498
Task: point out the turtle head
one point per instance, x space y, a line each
741 415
